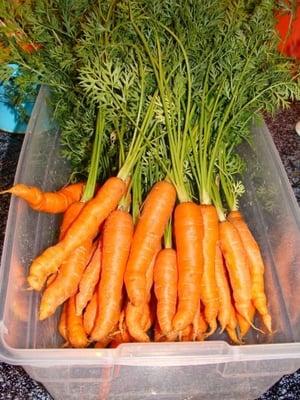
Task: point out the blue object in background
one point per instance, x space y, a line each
10 120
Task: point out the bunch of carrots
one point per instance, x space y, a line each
122 283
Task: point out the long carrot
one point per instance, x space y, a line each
224 290
51 202
238 267
66 283
85 227
75 330
256 267
117 237
188 226
165 287
90 313
209 289
89 280
156 212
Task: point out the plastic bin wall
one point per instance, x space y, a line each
213 369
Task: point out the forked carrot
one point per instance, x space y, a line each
256 267
51 202
209 289
75 331
165 287
90 313
117 237
224 290
156 212
84 228
62 324
67 281
238 267
188 226
90 278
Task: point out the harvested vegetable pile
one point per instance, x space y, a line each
159 250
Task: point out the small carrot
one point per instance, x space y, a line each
84 228
62 325
117 237
156 212
188 226
243 325
89 280
237 266
75 331
66 283
256 267
209 289
165 287
51 202
90 313
224 290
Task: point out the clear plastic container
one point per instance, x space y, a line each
213 369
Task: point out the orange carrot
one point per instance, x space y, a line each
75 331
186 335
209 289
89 280
237 266
156 212
224 290
244 326
188 235
117 236
256 267
139 318
199 325
84 228
103 344
52 202
67 281
62 325
90 313
165 287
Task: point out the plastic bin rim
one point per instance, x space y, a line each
151 354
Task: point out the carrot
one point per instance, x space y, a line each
117 237
89 280
103 344
84 228
62 324
199 325
256 267
66 283
138 318
209 289
224 290
237 266
90 313
244 326
52 202
75 331
156 212
165 287
186 335
188 226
